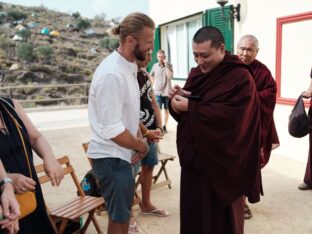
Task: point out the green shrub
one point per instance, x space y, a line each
24 51
4 41
16 15
44 52
109 43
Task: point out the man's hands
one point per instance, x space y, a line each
177 90
154 135
140 154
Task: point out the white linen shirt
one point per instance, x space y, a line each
114 105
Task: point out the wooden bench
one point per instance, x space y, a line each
74 208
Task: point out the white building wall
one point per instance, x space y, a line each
259 18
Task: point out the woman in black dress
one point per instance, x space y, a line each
14 160
307 181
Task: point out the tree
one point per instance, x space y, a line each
83 23
76 15
24 51
99 19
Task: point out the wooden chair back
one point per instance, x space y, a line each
74 208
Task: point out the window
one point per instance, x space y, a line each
177 38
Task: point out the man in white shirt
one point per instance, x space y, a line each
114 111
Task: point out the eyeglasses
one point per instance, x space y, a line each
248 50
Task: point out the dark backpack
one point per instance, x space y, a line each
90 185
299 123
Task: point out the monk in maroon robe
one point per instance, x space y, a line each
218 139
247 50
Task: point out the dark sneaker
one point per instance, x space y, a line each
165 129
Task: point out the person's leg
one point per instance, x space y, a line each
146 183
147 168
166 109
159 102
117 228
117 188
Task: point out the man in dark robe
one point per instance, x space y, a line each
247 50
218 139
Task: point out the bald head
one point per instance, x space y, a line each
247 48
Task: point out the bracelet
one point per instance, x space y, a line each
161 130
5 180
146 133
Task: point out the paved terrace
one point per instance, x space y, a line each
283 210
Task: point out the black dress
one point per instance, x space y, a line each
14 161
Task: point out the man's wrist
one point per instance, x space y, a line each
161 130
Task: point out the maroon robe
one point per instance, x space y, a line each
218 141
266 88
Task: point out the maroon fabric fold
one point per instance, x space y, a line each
220 135
266 88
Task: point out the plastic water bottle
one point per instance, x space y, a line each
85 185
81 221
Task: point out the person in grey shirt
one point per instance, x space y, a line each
162 74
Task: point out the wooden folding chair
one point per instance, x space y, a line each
74 208
163 158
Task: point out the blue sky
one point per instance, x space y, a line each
89 8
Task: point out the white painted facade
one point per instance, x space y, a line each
260 19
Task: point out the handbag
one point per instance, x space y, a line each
27 201
299 123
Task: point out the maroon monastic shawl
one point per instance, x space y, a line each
220 135
266 88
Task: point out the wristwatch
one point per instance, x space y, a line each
5 180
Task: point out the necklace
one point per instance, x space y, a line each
3 130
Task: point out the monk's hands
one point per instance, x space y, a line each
177 90
179 104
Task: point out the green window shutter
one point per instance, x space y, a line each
213 17
156 48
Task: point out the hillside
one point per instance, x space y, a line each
31 56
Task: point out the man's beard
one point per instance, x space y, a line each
139 55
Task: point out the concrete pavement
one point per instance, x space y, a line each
283 210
